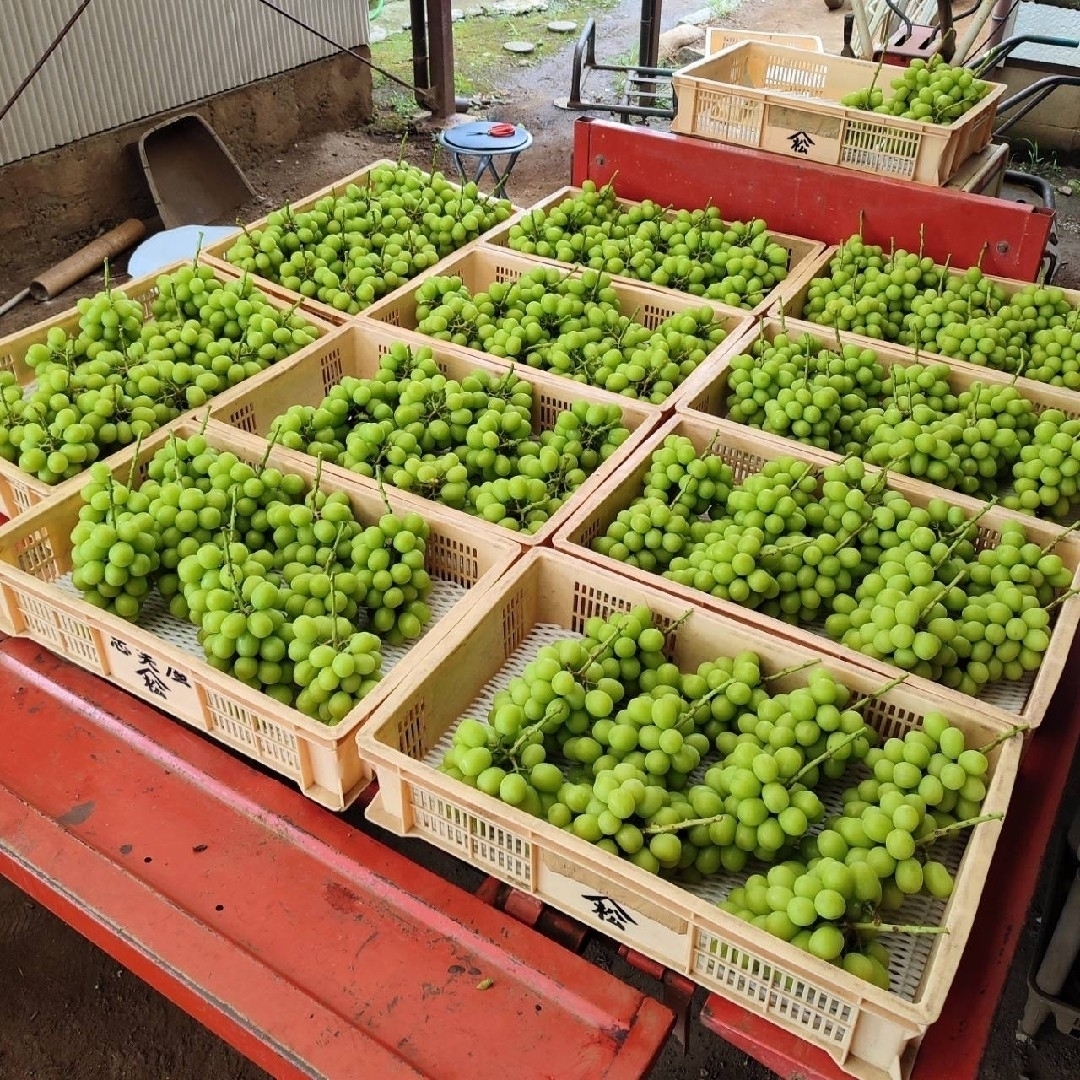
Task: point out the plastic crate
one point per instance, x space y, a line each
19 491
746 450
787 101
707 391
801 252
481 266
983 173
216 252
1064 1005
160 660
356 350
869 1032
722 37
819 267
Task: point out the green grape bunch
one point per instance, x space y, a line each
475 443
570 324
692 251
290 591
360 243
837 549
122 372
932 91
726 769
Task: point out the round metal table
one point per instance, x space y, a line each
486 140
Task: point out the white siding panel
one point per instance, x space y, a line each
128 59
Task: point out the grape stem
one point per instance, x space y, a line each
821 758
791 670
112 502
956 826
271 441
382 489
962 531
959 576
601 647
526 733
334 640
1067 595
1018 729
894 928
333 554
944 273
313 494
134 463
688 713
677 826
1054 541
883 689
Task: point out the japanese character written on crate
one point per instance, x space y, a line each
151 676
610 911
122 647
148 671
800 142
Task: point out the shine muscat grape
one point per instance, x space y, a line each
932 91
570 324
905 297
602 735
469 444
291 594
838 548
352 247
986 440
119 375
692 251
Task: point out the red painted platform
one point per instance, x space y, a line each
313 949
805 199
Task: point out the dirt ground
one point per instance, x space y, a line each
67 1011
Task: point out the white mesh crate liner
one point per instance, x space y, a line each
156 619
908 953
1003 694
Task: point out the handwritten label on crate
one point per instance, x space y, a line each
150 677
800 133
615 908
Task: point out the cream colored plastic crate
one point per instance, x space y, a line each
708 391
19 491
481 266
983 173
160 660
217 251
801 252
869 1032
819 267
746 450
787 101
722 37
355 351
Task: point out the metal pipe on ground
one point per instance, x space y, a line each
85 261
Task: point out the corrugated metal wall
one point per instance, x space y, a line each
128 59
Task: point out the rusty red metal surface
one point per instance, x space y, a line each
312 948
814 201
954 1046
